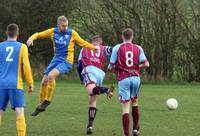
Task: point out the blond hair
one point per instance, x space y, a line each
61 19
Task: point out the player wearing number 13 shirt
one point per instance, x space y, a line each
90 69
127 59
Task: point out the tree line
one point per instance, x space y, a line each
168 30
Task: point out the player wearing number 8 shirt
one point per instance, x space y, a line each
127 59
90 69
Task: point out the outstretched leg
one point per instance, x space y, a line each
49 85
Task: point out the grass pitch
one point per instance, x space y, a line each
67 114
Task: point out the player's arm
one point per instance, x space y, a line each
144 63
40 35
113 58
80 67
26 67
82 42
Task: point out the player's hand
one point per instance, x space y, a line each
30 89
29 42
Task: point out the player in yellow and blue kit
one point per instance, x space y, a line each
63 40
13 62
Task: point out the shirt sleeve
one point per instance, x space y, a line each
80 55
26 66
142 57
44 34
80 69
108 50
113 58
82 42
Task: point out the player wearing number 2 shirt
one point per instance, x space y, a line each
90 69
127 59
14 63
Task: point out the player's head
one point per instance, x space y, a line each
12 31
127 34
97 40
62 23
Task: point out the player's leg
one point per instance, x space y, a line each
92 110
16 98
1 116
90 81
92 77
135 116
51 83
97 90
43 89
124 97
61 68
20 121
4 98
42 96
125 118
135 86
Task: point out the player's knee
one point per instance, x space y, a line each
1 112
125 107
19 111
135 101
90 88
44 81
50 77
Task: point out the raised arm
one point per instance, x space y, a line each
40 35
82 42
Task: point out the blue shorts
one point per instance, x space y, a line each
92 74
15 96
129 88
60 64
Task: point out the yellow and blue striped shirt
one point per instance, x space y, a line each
63 42
14 61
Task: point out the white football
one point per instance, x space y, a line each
172 104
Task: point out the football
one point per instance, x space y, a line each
172 104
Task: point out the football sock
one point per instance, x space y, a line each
99 90
50 89
43 92
21 125
135 116
91 115
125 122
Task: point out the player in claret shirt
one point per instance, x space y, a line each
14 62
90 69
63 39
127 59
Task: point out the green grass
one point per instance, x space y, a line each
67 115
